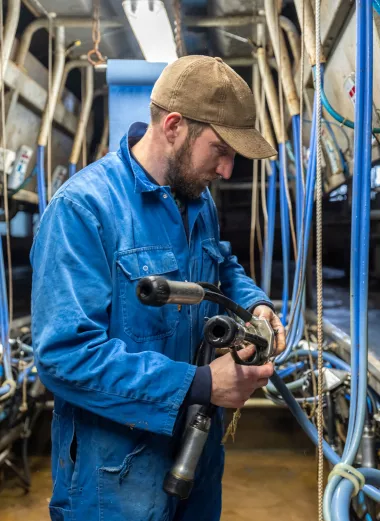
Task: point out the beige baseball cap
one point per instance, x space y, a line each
206 89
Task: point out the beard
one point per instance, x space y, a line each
182 177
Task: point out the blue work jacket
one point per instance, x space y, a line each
120 371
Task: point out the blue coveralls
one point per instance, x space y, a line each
120 371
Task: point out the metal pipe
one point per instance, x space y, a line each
51 100
84 116
222 21
105 134
271 94
10 27
309 29
282 58
70 65
294 39
266 127
43 23
248 61
11 436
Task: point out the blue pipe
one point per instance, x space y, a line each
359 245
41 179
327 357
268 250
4 319
72 169
285 235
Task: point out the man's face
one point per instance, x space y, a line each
198 162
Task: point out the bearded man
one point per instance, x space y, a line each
121 373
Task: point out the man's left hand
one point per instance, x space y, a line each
267 313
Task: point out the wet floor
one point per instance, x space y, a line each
263 485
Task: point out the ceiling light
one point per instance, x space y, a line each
151 26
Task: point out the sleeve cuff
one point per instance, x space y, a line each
252 308
200 389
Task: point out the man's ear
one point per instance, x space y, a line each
173 125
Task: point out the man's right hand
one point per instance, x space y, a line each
233 384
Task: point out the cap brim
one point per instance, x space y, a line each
245 141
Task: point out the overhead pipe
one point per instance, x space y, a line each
43 23
83 119
223 21
69 66
282 57
248 61
105 134
48 115
10 28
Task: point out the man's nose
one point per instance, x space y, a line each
225 167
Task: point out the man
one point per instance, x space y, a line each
122 373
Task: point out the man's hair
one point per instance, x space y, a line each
195 127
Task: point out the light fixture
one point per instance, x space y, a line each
151 26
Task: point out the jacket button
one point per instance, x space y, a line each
165 196
145 268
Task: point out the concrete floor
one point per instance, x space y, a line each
262 485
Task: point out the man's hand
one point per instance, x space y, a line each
267 313
233 384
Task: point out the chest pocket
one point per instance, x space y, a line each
143 323
211 259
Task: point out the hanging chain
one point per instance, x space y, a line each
96 37
178 28
319 259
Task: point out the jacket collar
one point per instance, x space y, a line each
142 183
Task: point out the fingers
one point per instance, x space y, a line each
247 352
281 336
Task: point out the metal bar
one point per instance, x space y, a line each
343 350
222 21
51 102
43 23
35 95
84 115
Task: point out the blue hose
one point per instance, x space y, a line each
359 251
4 320
312 432
303 245
41 179
268 250
72 169
285 235
333 112
376 6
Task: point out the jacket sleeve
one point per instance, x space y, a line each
235 284
75 358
